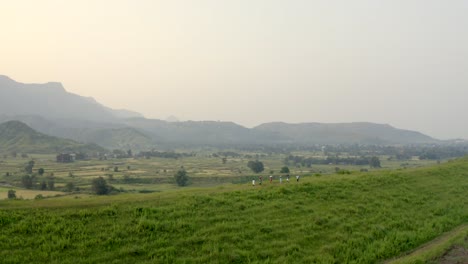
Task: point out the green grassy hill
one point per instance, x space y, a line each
17 136
358 218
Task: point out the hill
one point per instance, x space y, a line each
200 132
17 136
344 133
118 138
107 135
51 101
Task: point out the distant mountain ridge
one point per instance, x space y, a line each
345 133
17 136
51 100
51 110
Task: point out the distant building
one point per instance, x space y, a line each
65 158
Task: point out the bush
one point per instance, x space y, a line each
343 172
11 194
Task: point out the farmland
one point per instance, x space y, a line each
362 217
156 174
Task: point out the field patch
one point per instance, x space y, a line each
28 194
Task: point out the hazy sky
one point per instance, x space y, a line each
401 62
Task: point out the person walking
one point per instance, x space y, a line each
260 180
297 178
287 178
253 182
271 178
281 179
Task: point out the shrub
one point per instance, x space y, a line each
11 194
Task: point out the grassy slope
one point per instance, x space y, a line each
330 219
17 136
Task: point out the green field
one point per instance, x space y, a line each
156 174
359 218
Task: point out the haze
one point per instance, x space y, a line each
404 63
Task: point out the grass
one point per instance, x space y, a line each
358 218
432 250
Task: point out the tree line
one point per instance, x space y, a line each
335 160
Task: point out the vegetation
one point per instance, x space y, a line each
11 194
357 218
181 177
256 166
99 186
284 169
16 137
27 181
374 162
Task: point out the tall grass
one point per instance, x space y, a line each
329 219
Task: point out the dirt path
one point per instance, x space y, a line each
437 247
456 255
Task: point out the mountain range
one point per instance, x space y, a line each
51 110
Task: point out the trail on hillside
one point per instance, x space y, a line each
459 232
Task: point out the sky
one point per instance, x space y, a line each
397 62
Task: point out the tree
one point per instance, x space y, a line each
11 194
51 183
40 171
99 186
255 166
27 181
116 169
29 167
181 177
70 187
374 162
43 185
284 169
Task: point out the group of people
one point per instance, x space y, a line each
260 179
